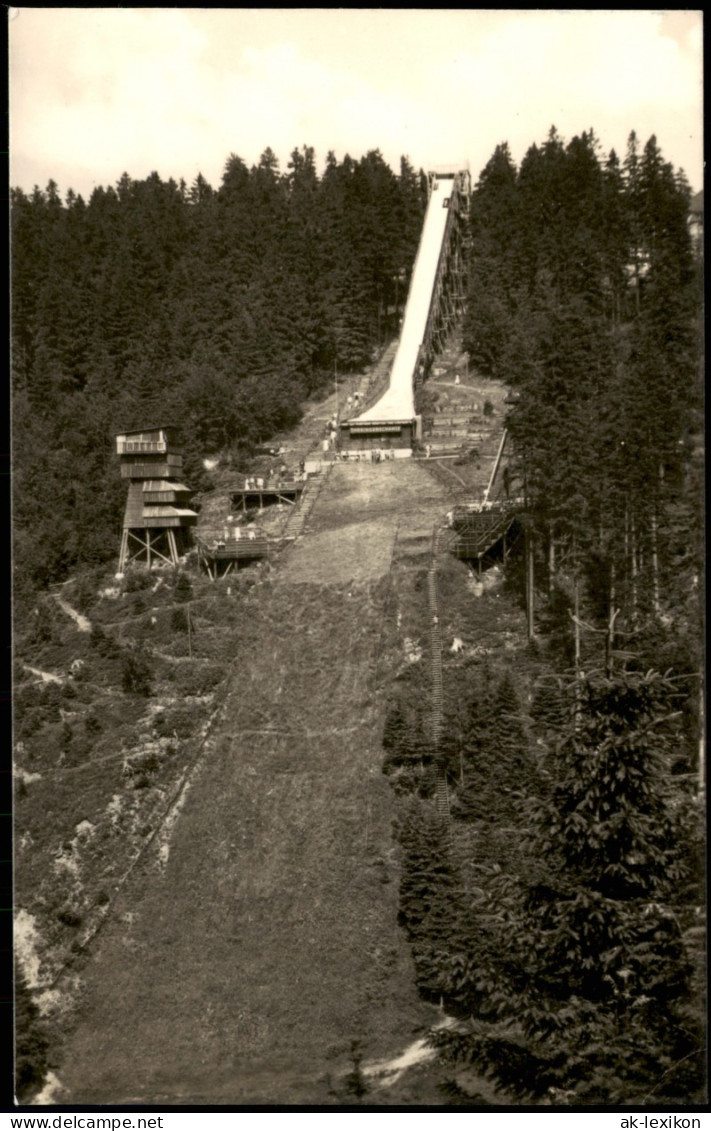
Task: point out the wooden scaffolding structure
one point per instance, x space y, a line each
450 291
158 516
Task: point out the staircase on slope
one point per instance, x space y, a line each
298 517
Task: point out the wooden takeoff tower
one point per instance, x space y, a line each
157 517
435 302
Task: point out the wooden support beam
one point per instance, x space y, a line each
148 546
173 546
123 553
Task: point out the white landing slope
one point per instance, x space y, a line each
398 402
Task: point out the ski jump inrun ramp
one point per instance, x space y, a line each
397 403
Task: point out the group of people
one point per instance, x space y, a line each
379 454
275 476
331 440
474 508
235 534
353 402
374 456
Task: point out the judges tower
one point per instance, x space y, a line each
157 517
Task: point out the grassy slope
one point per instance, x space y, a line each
242 972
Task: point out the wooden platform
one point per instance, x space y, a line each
254 498
475 532
219 559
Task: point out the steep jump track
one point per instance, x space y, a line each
239 969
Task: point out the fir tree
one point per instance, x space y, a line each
586 997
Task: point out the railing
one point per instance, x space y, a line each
126 447
473 543
272 487
245 548
223 551
449 170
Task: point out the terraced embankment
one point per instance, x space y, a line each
260 938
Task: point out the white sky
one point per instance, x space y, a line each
99 91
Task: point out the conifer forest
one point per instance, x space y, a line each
219 310
566 937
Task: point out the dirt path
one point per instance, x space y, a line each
83 623
240 968
46 677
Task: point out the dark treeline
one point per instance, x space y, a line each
218 310
585 298
562 919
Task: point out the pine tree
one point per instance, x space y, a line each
429 894
592 982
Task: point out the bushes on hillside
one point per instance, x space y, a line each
198 678
44 629
103 643
31 1042
135 675
179 620
137 580
183 588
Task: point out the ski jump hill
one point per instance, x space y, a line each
435 302
256 942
